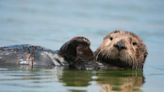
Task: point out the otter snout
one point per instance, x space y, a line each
120 45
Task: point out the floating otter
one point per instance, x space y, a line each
75 53
122 49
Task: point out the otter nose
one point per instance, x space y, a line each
120 45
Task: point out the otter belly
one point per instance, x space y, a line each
30 55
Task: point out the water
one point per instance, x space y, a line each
50 23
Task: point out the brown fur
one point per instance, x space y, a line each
78 53
122 49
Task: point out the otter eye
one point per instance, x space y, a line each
111 38
134 43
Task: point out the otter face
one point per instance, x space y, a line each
122 49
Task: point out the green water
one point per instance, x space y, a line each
25 79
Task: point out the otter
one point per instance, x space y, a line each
75 54
123 50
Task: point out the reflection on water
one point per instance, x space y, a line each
50 23
108 81
124 81
59 79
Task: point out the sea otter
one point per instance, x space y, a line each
75 53
122 49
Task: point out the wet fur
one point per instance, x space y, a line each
78 53
75 53
132 56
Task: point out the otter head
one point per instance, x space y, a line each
78 53
122 49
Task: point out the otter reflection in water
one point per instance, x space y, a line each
122 81
122 49
103 81
75 53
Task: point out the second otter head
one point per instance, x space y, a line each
122 49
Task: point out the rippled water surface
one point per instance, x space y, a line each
50 23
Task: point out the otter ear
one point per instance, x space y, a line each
145 54
144 50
